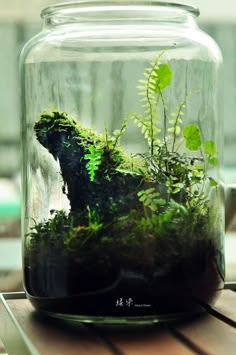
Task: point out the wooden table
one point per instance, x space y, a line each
25 332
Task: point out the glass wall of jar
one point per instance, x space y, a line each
122 193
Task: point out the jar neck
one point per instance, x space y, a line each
120 12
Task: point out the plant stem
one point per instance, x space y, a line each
165 118
151 117
123 127
175 125
106 135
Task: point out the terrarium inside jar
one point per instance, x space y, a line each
123 214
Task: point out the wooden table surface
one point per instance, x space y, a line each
212 333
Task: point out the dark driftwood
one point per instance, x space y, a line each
69 142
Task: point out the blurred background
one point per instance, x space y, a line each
19 21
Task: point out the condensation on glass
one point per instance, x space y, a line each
122 143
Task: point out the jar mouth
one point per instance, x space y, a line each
73 7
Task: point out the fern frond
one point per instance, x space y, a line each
150 198
94 158
156 77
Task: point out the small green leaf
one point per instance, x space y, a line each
192 137
176 130
213 183
209 147
142 198
213 161
116 132
176 190
163 78
171 130
160 202
141 87
198 167
150 190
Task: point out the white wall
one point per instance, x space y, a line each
216 10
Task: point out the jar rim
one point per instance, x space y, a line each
51 10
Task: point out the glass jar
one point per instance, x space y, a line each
122 142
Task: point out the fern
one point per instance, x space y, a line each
158 77
148 122
94 158
150 198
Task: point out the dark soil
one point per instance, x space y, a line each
105 288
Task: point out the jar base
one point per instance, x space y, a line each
123 321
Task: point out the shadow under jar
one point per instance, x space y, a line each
122 193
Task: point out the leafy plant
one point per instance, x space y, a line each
180 174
